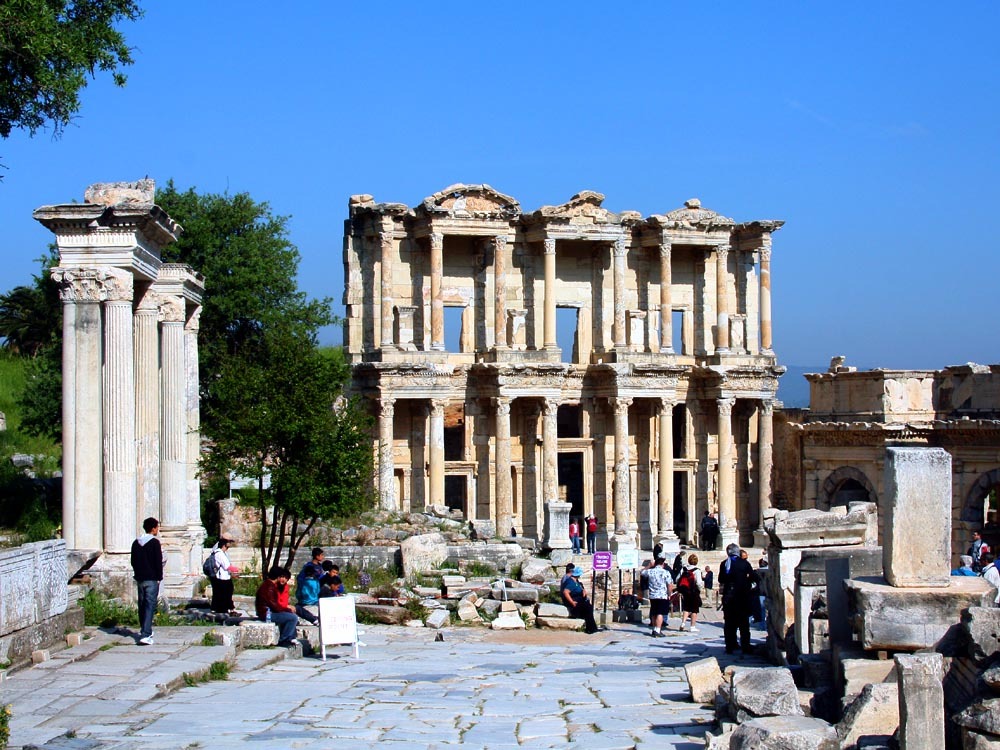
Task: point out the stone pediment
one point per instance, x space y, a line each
692 216
582 208
462 200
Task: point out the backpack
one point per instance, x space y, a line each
628 601
592 525
687 580
209 567
308 591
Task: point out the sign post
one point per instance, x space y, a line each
338 624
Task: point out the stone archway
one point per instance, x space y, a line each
973 511
846 485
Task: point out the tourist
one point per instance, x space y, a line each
591 522
659 583
677 567
976 551
574 535
270 608
965 567
568 574
760 583
222 577
330 584
991 574
575 598
689 586
708 577
709 531
147 569
307 586
736 581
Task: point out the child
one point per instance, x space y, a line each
330 584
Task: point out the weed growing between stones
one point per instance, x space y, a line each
208 640
477 569
107 646
217 670
353 578
5 714
416 609
102 611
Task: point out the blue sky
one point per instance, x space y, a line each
872 129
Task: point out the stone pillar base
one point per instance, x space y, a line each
671 545
727 536
557 526
761 539
183 550
112 574
620 542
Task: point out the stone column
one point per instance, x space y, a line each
618 250
621 499
722 299
921 700
505 511
765 301
437 451
146 353
437 303
665 490
68 414
386 468
666 306
386 243
173 411
550 452
119 415
765 453
192 388
500 290
550 341
727 494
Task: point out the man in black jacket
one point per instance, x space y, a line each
736 577
147 566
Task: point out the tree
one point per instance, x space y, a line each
48 50
30 315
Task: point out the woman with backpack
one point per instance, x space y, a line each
689 585
220 572
591 524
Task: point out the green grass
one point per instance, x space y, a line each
218 670
477 569
101 611
107 646
380 578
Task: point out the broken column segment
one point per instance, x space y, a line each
921 701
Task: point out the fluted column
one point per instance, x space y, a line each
666 305
173 424
722 299
765 440
665 488
727 495
437 451
550 452
68 418
119 416
765 301
385 242
550 341
193 412
386 469
437 302
621 489
618 250
500 290
504 505
146 353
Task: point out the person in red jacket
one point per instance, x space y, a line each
270 606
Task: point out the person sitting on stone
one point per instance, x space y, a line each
977 550
330 584
965 567
575 598
991 574
270 608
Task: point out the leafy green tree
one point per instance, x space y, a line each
30 315
48 50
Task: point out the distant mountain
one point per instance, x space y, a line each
793 389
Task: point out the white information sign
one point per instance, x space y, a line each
628 559
338 624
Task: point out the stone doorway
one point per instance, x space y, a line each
454 493
681 521
571 478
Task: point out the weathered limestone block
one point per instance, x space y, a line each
907 619
766 691
437 619
256 634
917 548
817 528
509 606
386 614
508 621
704 678
519 594
422 552
42 654
991 678
537 570
975 741
545 609
32 584
227 637
981 717
558 623
74 639
785 733
982 626
816 670
874 712
489 606
856 673
921 700
141 192
467 611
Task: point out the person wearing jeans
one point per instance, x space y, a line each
269 607
147 568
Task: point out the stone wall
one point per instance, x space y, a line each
33 595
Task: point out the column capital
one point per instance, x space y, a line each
665 247
437 240
722 251
502 405
385 238
767 406
620 404
437 406
80 284
499 241
550 407
171 309
386 406
619 247
193 322
118 286
765 254
726 406
667 404
550 246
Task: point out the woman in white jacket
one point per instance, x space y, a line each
222 579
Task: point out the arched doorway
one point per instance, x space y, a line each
980 508
848 485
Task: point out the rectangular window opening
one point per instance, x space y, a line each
453 329
567 321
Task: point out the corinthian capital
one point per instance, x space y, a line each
193 322
80 284
386 407
723 252
767 407
620 405
665 247
503 407
118 286
726 406
437 241
619 247
551 407
171 309
385 240
765 255
550 246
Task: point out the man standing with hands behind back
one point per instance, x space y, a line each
147 567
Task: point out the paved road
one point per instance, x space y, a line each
486 689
